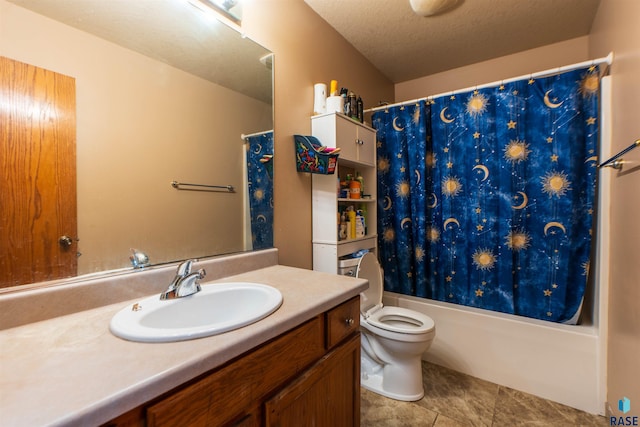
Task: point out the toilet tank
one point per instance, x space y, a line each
348 266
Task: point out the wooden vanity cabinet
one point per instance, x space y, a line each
307 376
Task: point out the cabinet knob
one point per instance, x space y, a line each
360 141
349 322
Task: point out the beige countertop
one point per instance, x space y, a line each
70 370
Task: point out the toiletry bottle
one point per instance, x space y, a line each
363 210
354 189
352 223
344 189
353 106
344 94
333 88
359 225
342 233
360 110
360 179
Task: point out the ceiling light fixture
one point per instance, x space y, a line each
433 7
228 10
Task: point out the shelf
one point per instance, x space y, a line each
345 242
357 157
347 200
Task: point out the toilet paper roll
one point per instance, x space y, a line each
335 104
320 98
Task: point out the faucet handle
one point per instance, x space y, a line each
184 269
185 283
189 285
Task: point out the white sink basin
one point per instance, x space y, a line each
217 308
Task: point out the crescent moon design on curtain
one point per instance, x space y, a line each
258 149
435 201
484 169
449 221
418 175
592 159
554 224
404 221
548 102
395 125
444 118
525 201
387 200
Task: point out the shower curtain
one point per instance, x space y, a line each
260 181
486 198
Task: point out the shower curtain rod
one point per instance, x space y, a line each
607 59
244 137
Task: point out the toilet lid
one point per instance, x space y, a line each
368 268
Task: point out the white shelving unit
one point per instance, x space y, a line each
357 143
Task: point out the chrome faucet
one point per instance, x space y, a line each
185 282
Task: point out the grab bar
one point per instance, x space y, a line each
201 187
615 162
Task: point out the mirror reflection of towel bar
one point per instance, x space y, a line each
201 187
616 162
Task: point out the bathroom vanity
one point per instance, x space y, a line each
307 376
300 363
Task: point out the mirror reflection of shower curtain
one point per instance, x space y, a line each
486 198
260 188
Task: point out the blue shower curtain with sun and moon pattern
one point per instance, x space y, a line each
260 186
487 198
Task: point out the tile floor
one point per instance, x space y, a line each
455 399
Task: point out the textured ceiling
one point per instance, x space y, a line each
174 32
405 46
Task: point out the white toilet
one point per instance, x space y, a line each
393 340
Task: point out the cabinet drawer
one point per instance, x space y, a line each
342 321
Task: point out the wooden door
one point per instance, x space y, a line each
38 173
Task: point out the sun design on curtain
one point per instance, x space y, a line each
486 198
260 186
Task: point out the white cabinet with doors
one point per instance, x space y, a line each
357 143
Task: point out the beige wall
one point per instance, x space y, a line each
307 51
505 67
616 28
140 125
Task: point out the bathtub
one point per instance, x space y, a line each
554 361
562 363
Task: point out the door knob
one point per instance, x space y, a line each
65 241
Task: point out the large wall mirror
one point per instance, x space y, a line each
160 92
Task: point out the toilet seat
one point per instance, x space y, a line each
403 320
392 319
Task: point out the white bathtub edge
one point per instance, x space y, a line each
554 361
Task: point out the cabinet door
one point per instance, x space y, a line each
347 139
230 395
366 146
326 395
